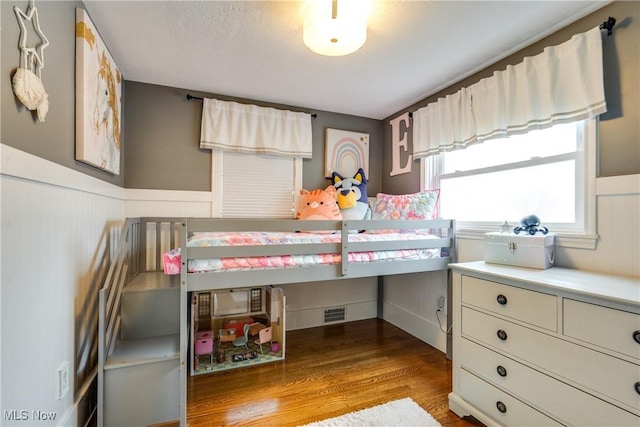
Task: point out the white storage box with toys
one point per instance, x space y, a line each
521 250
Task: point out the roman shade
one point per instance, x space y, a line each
244 128
562 84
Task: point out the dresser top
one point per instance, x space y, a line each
620 289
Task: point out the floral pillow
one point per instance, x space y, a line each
422 205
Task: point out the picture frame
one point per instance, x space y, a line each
345 152
98 99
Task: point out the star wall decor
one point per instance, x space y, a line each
27 82
29 55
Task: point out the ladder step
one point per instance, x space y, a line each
153 281
144 350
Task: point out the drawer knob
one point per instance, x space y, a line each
502 334
636 336
637 387
502 300
501 407
502 371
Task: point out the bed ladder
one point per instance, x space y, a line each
138 337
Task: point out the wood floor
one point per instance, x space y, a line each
328 371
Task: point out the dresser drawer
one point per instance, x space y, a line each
499 405
612 329
535 308
603 374
565 403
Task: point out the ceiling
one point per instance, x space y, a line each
254 49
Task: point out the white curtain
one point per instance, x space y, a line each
562 84
243 128
447 124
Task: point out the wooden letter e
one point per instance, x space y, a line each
399 142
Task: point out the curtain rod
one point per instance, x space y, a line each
197 98
608 25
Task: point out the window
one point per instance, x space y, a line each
254 186
256 300
204 304
550 173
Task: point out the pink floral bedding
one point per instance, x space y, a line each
286 261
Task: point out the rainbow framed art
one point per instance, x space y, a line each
345 152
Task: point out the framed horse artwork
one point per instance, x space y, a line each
98 99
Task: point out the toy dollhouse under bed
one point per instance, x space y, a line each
223 309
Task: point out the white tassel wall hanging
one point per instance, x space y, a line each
27 80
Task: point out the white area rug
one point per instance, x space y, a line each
404 412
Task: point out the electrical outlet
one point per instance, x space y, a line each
64 380
442 304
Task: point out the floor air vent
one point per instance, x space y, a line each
334 314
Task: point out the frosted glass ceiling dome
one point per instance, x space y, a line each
335 27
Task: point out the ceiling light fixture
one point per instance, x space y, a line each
335 27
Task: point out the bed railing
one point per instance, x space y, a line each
161 234
443 229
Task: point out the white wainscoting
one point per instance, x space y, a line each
410 303
167 203
618 228
56 230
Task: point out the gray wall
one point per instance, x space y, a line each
54 139
619 144
163 130
163 135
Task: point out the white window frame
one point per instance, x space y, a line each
584 237
218 193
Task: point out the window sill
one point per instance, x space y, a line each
563 240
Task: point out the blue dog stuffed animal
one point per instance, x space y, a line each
352 195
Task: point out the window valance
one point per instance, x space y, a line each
447 124
562 84
252 129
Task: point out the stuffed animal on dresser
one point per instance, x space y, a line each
352 195
318 204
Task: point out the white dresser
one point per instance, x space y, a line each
545 347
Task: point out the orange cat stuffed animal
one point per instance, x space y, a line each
319 204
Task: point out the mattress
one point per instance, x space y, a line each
288 261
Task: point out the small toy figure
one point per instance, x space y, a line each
531 224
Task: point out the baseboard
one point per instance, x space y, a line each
417 326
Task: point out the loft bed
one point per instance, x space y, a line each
138 298
231 254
